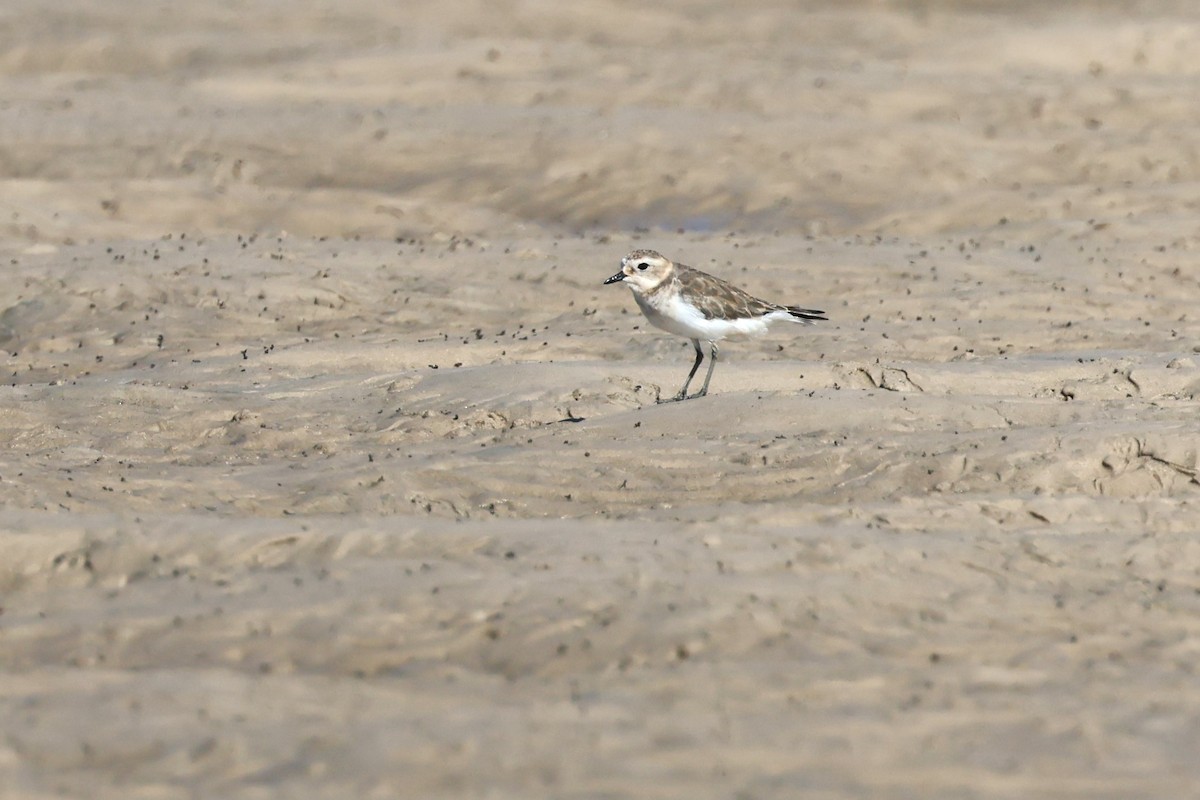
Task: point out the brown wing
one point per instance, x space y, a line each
717 299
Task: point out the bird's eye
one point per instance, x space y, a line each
643 265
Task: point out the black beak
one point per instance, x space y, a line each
620 276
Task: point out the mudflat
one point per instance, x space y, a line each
330 469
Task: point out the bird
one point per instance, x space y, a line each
687 302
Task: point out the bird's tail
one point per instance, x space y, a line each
806 315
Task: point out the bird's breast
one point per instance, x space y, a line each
673 313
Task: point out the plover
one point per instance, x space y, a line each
691 303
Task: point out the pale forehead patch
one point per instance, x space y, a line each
643 254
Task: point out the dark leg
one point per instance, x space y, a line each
712 362
683 392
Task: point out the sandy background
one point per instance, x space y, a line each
329 468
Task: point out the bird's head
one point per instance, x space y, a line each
643 270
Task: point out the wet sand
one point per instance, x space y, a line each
331 470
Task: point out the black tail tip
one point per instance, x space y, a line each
807 314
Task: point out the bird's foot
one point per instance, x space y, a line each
681 396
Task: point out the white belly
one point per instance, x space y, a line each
679 317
